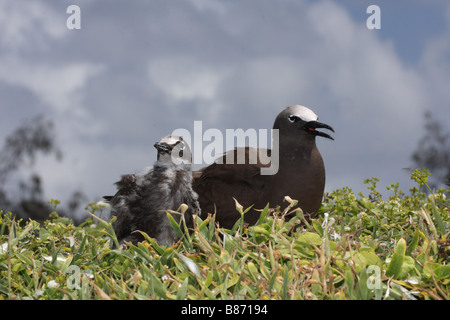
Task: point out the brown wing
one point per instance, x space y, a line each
219 183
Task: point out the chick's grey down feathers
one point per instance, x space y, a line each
301 173
143 199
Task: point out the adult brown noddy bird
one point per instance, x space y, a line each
300 175
143 199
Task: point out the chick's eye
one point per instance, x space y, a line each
293 119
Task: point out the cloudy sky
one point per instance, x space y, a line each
138 69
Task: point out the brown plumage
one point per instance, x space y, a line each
300 175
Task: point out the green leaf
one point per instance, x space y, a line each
157 286
363 291
80 249
309 237
317 226
182 290
263 215
273 277
437 217
365 259
260 229
349 282
191 265
44 234
284 293
66 264
25 259
142 251
208 279
413 243
253 271
436 270
407 267
175 225
395 266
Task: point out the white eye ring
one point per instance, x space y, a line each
292 118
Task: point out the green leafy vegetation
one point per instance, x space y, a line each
359 247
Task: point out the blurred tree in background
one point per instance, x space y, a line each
20 149
433 152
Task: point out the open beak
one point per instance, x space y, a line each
312 127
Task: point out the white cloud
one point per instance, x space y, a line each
341 68
434 68
184 79
23 24
57 86
181 80
213 6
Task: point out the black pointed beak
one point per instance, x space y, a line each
312 127
163 147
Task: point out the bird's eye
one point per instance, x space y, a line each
292 118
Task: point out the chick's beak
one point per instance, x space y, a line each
162 147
